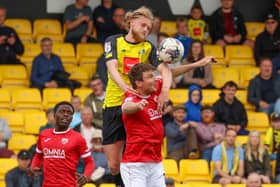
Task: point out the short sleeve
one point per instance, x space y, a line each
110 48
241 153
217 153
89 12
153 56
67 14
83 149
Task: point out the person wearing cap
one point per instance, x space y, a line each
272 138
17 177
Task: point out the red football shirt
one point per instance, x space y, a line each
144 130
59 152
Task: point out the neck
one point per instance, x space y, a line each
78 5
209 123
254 148
195 57
265 77
142 92
87 125
179 122
130 38
229 146
48 56
226 10
60 129
230 101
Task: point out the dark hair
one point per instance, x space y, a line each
262 59
206 107
50 110
46 39
198 7
230 129
3 8
95 78
228 84
63 103
136 73
180 20
163 34
190 57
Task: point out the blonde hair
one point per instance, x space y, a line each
260 148
142 11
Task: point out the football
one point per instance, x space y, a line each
170 50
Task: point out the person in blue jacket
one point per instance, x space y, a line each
193 105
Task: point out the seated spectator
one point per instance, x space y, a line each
263 90
76 103
102 17
167 114
267 42
95 100
18 176
50 120
10 44
254 180
201 76
86 127
272 138
119 21
178 133
229 110
193 105
227 26
257 158
78 21
182 34
5 135
153 36
208 132
228 158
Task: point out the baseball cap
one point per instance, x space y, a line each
24 154
178 107
96 134
271 16
275 117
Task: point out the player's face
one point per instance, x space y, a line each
230 137
148 83
195 96
179 115
207 116
140 28
229 92
63 116
2 16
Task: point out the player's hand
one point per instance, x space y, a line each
81 179
162 101
206 60
141 104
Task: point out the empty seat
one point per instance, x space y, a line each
66 52
5 99
29 98
46 26
242 140
205 185
82 93
53 96
15 120
183 185
253 29
171 169
222 75
239 55
210 96
242 96
89 53
107 185
30 51
216 51
79 74
258 121
164 148
168 27
178 96
246 74
6 164
33 121
21 141
14 75
22 27
89 185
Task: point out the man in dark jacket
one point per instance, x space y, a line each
264 89
229 110
227 26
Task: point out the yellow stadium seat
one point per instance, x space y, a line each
242 140
194 171
182 185
15 120
22 27
168 27
178 96
52 96
205 185
79 74
164 148
66 52
210 96
89 185
171 169
246 74
21 141
6 164
30 51
82 93
236 185
5 99
90 68
89 53
29 98
257 121
242 96
14 75
253 29
56 38
239 55
273 168
212 168
33 121
46 26
25 38
270 185
216 51
107 185
2 183
222 75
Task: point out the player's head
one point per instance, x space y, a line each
142 78
3 14
140 22
63 113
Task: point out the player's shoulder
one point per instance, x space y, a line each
129 97
113 38
46 131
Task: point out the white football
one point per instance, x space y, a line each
170 50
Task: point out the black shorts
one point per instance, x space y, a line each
113 128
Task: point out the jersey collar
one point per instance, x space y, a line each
61 132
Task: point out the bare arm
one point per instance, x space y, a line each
90 29
73 24
132 107
240 171
218 168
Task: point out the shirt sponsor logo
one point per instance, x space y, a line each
54 153
154 114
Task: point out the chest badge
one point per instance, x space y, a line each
64 141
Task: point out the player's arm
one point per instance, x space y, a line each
131 107
37 160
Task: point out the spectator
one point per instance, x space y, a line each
182 34
10 44
254 180
272 138
201 76
277 169
5 135
229 110
86 127
102 16
193 106
76 103
161 36
119 21
208 132
167 114
228 158
227 26
177 132
50 120
18 176
257 158
263 90
153 36
78 21
267 43
95 100
169 182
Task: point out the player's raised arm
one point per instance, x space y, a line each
131 107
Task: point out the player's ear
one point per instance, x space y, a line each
139 84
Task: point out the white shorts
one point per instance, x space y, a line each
142 174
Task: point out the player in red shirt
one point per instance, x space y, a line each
58 152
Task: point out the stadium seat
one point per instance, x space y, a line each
178 96
14 76
22 27
89 53
239 55
222 75
242 140
57 38
79 74
107 185
164 148
89 185
168 27
257 121
29 98
2 183
246 74
6 164
15 120
5 99
236 185
21 141
270 185
33 121
194 171
90 68
171 169
66 52
182 185
242 96
52 96
253 29
210 96
46 26
30 51
205 185
216 51
82 93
